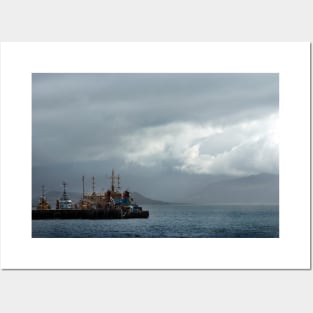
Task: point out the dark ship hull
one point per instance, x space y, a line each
98 213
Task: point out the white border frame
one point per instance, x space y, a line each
290 251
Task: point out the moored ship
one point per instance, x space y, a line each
112 204
43 202
64 202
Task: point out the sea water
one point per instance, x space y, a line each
172 221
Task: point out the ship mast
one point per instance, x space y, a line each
43 192
93 184
64 192
83 179
112 181
118 182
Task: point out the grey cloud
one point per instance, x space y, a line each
84 117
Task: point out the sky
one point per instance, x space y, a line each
186 123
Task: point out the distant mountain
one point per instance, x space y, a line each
140 199
262 188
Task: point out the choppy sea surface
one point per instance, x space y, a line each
172 221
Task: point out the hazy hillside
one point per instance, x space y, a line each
140 199
263 188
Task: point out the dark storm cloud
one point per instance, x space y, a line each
149 119
164 96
